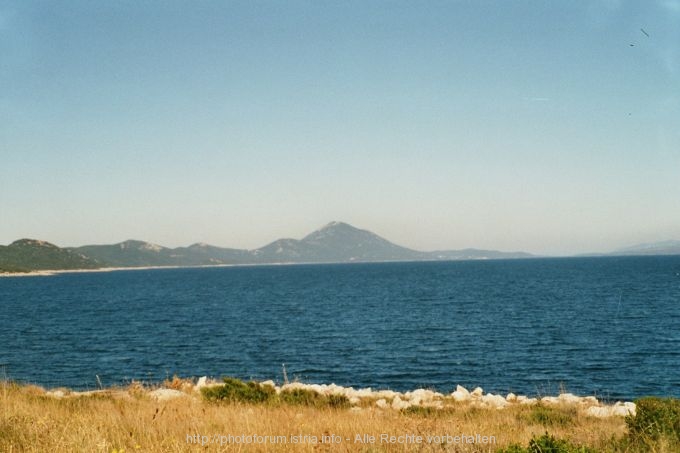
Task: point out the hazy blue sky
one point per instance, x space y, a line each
511 125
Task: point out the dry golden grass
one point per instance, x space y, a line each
129 420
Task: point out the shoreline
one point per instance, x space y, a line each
185 414
51 272
383 399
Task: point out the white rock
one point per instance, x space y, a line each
617 410
623 409
349 392
569 398
354 401
364 393
294 386
460 396
166 394
56 394
398 404
477 392
492 400
317 388
422 395
269 383
590 400
598 411
419 396
511 397
336 390
461 389
388 394
382 404
550 400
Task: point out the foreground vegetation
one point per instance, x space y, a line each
138 419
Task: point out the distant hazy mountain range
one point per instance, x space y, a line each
655 248
336 242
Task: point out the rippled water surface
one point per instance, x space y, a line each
595 326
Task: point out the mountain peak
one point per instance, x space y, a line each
132 244
32 243
333 228
200 245
336 224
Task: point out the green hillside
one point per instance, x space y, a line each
32 255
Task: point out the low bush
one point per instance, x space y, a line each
547 444
655 418
337 401
654 427
429 411
302 397
235 390
549 416
422 411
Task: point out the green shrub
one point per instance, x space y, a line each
419 410
655 418
301 397
654 427
551 416
304 397
429 411
547 444
338 401
235 390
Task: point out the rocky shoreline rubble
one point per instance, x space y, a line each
363 398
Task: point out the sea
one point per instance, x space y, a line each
602 326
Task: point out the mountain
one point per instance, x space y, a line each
335 242
130 253
32 255
133 253
654 248
201 254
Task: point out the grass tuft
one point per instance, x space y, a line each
547 444
235 390
551 416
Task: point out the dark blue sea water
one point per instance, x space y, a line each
608 327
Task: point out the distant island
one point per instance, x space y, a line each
646 249
336 242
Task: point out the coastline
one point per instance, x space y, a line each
384 399
183 414
51 272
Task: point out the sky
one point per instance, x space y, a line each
548 127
